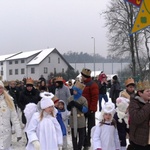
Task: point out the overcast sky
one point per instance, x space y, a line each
67 25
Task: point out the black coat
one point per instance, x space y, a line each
122 130
28 97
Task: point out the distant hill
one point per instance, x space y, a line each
75 57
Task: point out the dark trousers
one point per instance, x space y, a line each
134 146
79 140
90 120
102 96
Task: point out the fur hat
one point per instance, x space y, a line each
115 77
122 105
46 100
109 108
79 85
86 72
29 81
129 81
1 84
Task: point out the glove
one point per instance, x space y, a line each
19 138
70 105
89 113
36 145
77 105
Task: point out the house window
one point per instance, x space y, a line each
45 69
49 60
63 70
16 61
58 60
1 63
32 70
10 72
22 71
2 72
16 71
22 61
10 62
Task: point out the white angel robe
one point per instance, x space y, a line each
105 137
47 132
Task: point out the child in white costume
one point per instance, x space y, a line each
43 131
105 134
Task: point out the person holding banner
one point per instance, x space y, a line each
78 106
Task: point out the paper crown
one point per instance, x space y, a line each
55 99
129 81
79 85
142 85
86 72
29 81
59 79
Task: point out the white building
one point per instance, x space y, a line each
32 64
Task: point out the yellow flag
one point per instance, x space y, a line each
143 18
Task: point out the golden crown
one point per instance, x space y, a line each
142 85
79 85
59 79
29 81
129 81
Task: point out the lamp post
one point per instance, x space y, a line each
94 55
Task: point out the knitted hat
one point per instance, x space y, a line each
1 84
29 81
122 105
86 72
79 85
101 76
109 108
129 81
46 100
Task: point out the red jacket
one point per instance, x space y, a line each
91 93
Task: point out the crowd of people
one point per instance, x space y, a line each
48 110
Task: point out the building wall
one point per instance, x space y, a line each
18 66
46 67
53 62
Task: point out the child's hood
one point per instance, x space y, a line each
65 107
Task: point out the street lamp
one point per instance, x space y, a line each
94 55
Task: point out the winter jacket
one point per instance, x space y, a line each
91 93
63 93
122 130
115 90
27 97
80 115
139 112
7 116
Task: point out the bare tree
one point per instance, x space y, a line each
120 18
